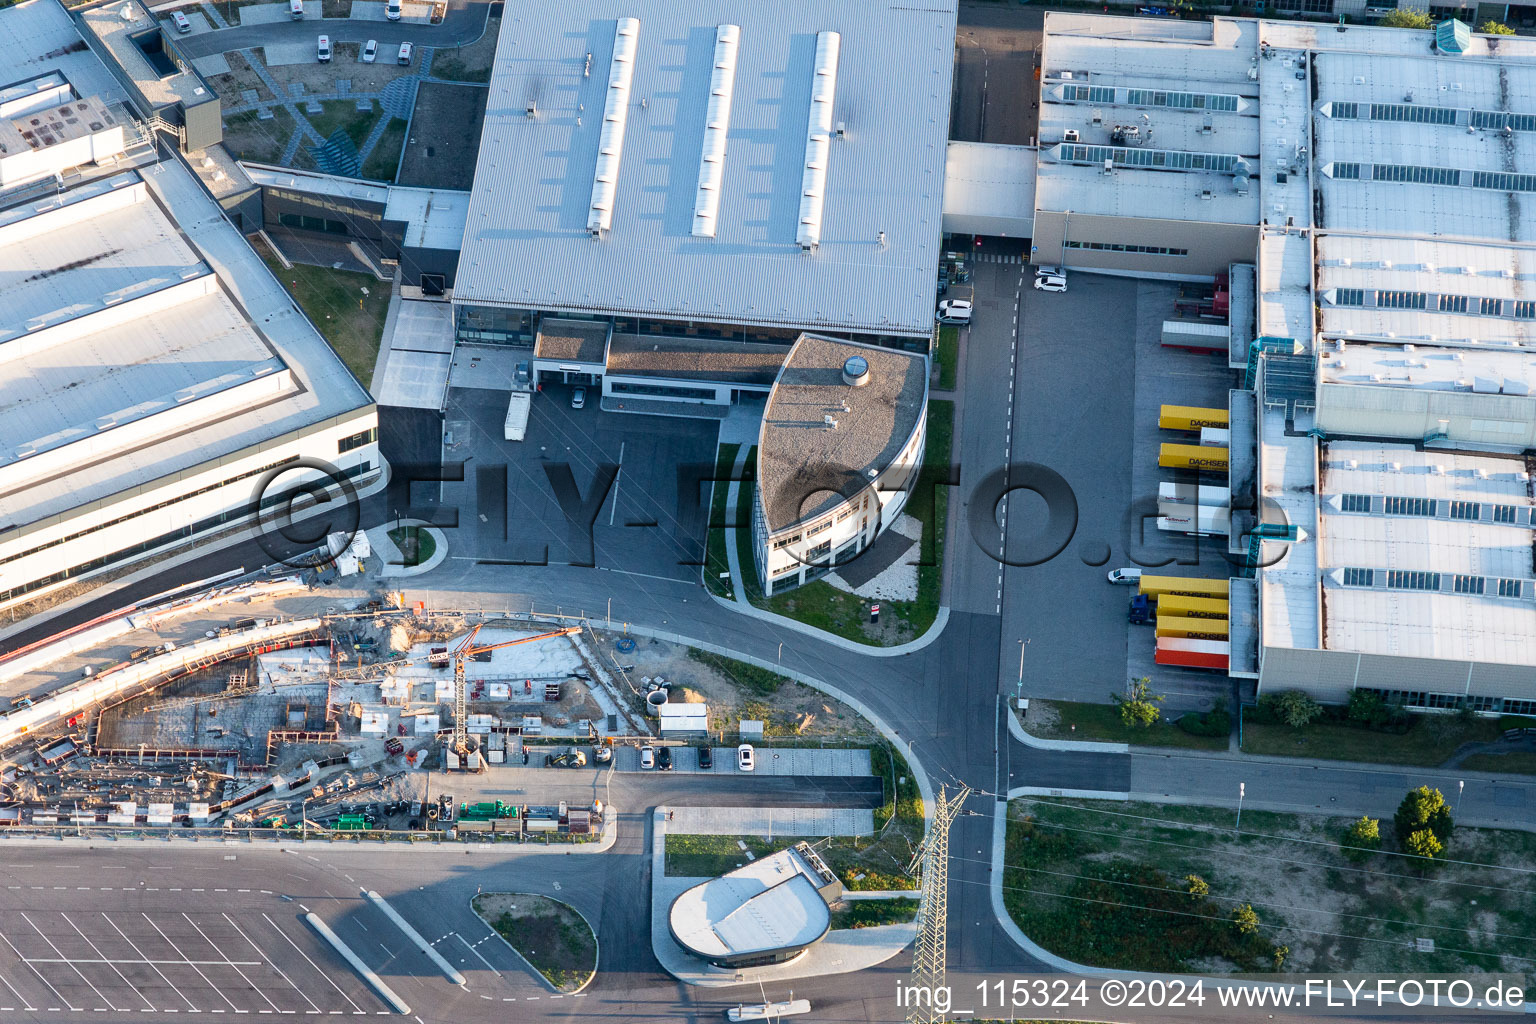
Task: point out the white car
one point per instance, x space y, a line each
370 51
1051 284
1047 271
954 311
1127 577
746 758
647 757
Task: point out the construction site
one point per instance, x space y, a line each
332 723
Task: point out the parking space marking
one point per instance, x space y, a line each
312 963
190 1005
111 963
243 975
6 938
272 964
194 966
25 1002
64 959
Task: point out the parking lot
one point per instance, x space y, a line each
510 513
770 761
1091 372
147 956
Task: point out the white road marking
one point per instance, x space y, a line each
194 966
111 963
475 951
25 1002
316 966
270 962
77 970
238 971
136 949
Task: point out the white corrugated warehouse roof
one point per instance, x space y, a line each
1388 617
527 242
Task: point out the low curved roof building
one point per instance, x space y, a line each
765 912
840 447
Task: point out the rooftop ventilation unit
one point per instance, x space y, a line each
856 371
605 179
722 81
813 183
1071 135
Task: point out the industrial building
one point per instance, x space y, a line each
839 449
742 174
765 912
1368 195
154 374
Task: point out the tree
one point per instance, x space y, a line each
1245 920
1423 809
1138 704
1280 953
1367 709
1495 28
1362 838
1424 844
1199 888
1295 708
1407 17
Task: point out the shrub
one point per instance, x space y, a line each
1362 839
1423 844
1407 17
1295 708
1199 888
1210 723
1495 28
1245 919
1423 809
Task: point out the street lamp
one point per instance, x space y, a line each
1018 690
1461 784
1242 788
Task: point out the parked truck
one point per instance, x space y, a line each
1156 587
1192 418
1209 654
1192 607
1196 335
1199 520
1192 456
517 415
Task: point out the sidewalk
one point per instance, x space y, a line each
841 952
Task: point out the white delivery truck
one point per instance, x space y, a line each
517 415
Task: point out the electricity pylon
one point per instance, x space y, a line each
933 913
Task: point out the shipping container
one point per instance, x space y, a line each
1192 456
1190 628
470 825
1196 335
1157 586
1215 437
1192 659
1192 494
541 824
1195 607
1205 522
1189 417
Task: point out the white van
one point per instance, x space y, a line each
392 10
325 49
296 9
405 53
180 21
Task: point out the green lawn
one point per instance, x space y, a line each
351 321
1518 762
1102 723
1431 740
716 560
555 939
384 162
247 137
1105 883
948 356
822 605
872 913
344 115
416 545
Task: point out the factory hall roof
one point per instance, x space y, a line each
772 903
701 159
823 439
1427 553
703 359
136 343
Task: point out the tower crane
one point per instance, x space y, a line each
465 650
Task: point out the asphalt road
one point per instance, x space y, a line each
997 48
